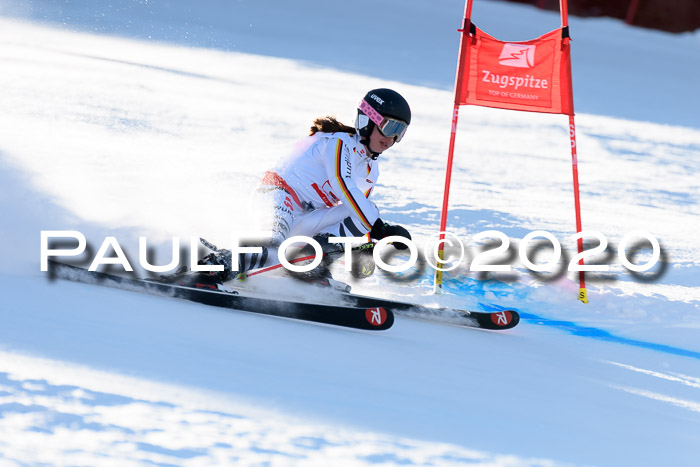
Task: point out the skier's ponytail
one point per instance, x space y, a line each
329 124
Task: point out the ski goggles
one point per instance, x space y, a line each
389 127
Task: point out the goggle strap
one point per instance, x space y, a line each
368 110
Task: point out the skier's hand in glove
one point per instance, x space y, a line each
381 229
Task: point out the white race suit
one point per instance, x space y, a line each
322 186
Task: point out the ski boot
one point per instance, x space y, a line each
363 264
204 279
199 280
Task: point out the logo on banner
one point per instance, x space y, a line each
517 55
534 75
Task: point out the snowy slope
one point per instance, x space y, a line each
111 127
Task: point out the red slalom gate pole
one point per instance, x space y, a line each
582 294
243 275
446 200
463 56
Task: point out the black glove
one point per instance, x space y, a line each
381 229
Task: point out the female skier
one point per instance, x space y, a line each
322 188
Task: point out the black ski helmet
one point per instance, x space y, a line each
389 104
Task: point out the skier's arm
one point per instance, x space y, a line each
339 170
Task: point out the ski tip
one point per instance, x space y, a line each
499 320
379 318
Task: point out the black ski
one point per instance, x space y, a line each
496 320
367 317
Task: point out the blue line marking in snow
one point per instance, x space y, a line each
595 333
477 288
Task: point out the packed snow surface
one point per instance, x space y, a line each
154 119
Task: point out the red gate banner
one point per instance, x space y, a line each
534 75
